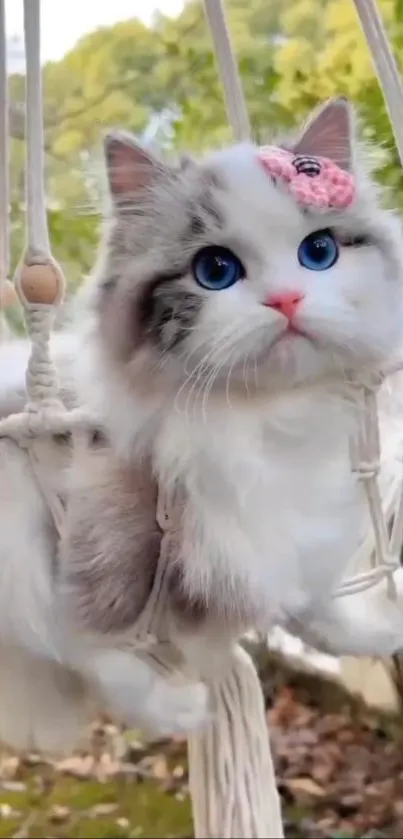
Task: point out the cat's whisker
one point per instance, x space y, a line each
209 385
216 349
198 372
245 374
227 384
216 372
230 328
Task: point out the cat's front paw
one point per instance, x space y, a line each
174 709
362 624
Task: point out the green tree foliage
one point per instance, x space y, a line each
291 56
325 53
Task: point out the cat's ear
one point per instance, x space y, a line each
131 167
329 132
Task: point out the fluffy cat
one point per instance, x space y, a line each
220 331
188 361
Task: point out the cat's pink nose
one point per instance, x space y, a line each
286 303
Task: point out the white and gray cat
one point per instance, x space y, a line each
198 382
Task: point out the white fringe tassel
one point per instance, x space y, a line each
231 770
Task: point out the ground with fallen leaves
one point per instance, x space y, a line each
339 771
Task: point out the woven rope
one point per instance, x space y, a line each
382 551
4 174
231 772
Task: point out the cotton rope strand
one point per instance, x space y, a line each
7 293
385 65
3 169
4 176
39 280
230 79
37 227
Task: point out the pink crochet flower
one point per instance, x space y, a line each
313 181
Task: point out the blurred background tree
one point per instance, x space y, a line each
161 82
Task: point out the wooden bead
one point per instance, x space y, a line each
8 294
41 283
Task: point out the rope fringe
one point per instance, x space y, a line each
231 772
231 776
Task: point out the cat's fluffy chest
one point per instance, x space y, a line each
274 511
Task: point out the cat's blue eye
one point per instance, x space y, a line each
318 251
217 268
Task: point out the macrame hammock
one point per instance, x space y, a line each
231 773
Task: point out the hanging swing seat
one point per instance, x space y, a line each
231 773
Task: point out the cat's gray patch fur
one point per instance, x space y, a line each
111 514
147 250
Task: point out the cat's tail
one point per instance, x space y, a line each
43 705
28 551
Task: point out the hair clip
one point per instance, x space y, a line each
313 181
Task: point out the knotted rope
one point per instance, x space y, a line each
231 773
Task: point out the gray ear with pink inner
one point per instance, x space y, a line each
329 132
317 168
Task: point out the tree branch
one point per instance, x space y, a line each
17 127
